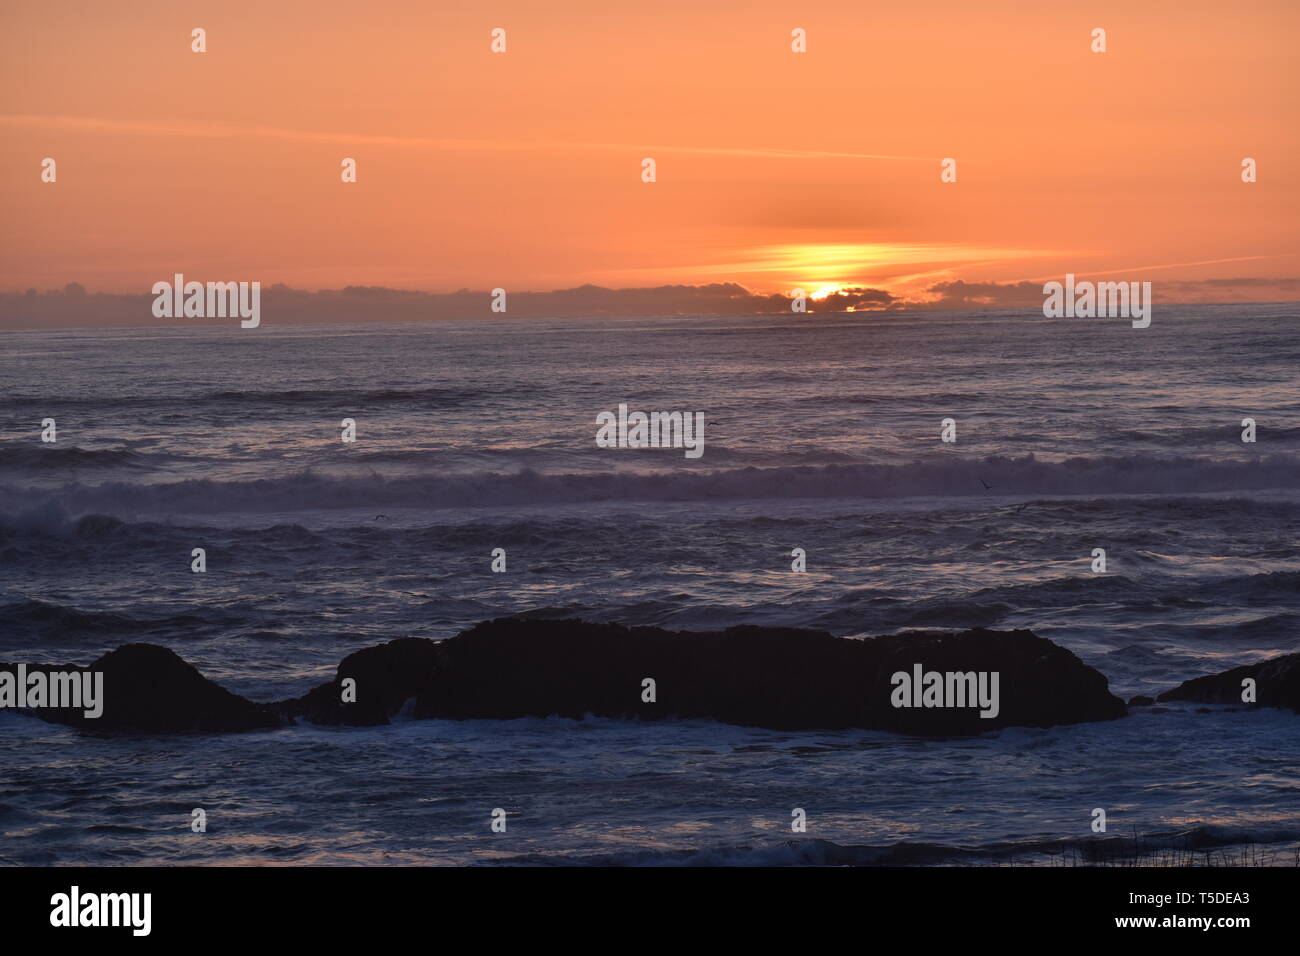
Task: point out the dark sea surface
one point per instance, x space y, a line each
822 433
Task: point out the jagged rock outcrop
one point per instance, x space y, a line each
1277 684
782 678
150 689
386 675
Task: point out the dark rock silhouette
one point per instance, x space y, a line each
782 678
1277 684
150 689
387 676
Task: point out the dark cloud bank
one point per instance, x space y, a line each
73 306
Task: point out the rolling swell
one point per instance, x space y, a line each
956 477
22 457
33 621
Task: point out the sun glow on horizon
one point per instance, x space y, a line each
832 268
824 291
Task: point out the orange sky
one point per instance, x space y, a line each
522 170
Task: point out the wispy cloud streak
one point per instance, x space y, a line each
225 131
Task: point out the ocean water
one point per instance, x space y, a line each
822 433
